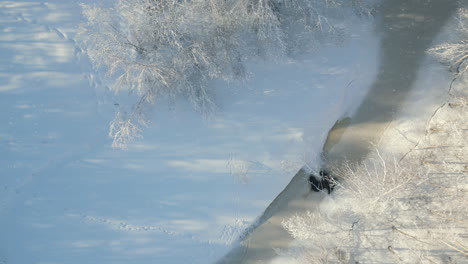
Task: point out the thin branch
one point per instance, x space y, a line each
454 248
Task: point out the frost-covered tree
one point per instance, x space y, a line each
174 48
455 53
385 211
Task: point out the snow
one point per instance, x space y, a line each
404 202
184 192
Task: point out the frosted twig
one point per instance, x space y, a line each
454 248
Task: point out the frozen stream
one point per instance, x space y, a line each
407 29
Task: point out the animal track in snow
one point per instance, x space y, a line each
122 225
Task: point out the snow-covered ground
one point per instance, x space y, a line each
186 190
183 193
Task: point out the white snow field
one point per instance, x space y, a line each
189 188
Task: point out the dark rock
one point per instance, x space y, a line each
321 182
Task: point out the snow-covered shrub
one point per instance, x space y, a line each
455 53
163 48
174 48
386 211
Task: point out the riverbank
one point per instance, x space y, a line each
407 30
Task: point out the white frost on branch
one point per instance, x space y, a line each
174 48
455 53
123 130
